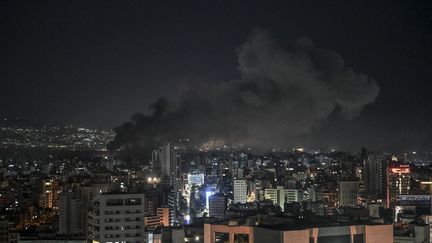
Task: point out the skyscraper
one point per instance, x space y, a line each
117 218
69 214
398 181
169 160
375 175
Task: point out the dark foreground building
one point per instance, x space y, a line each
283 230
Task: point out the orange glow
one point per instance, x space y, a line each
400 170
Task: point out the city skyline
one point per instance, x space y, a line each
216 121
64 63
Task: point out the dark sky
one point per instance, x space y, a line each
95 63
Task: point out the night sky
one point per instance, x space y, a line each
96 63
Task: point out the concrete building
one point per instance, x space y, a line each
398 182
217 205
152 222
375 175
280 196
69 216
169 165
162 218
413 233
165 216
48 197
348 193
117 217
86 196
7 232
240 191
274 230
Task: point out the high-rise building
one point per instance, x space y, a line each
117 217
86 196
348 193
398 181
375 175
240 191
48 198
169 163
169 160
173 204
69 216
217 205
166 158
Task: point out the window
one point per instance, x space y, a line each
114 202
358 238
334 239
133 201
241 238
221 237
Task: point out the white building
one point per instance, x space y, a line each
280 196
117 217
195 178
240 191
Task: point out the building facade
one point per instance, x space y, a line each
340 234
240 191
280 196
348 193
69 214
117 217
375 175
217 205
398 182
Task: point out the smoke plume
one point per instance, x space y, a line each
286 89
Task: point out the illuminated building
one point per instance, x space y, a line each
412 233
417 204
164 215
195 179
173 203
208 194
280 196
426 186
48 197
217 205
152 222
348 193
398 181
117 217
240 191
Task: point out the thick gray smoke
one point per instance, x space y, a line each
286 89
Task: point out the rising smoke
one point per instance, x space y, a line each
286 89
